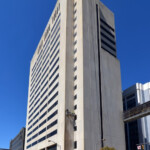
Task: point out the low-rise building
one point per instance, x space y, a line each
18 142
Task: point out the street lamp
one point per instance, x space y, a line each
55 143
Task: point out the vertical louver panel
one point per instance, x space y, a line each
108 40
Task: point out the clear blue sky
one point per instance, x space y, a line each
22 23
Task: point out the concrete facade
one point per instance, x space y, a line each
89 82
18 142
137 132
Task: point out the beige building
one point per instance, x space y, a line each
74 99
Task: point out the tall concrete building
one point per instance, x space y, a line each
18 142
137 132
74 99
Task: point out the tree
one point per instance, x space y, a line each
108 148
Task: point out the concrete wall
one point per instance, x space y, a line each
112 102
69 102
113 126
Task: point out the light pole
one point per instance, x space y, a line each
55 143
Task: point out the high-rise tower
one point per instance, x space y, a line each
75 85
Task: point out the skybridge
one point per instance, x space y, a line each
137 112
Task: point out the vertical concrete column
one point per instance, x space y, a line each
69 120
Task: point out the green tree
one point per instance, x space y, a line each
108 148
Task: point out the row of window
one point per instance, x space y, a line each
75 66
42 139
75 60
38 78
44 99
37 68
49 79
38 100
55 13
50 64
50 117
38 88
42 130
49 101
36 81
39 57
35 65
58 23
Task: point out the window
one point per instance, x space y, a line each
52 124
75 107
55 104
29 127
29 140
75 34
54 80
75 42
54 64
75 51
42 139
44 93
44 86
52 134
75 144
36 103
29 133
75 87
35 122
43 115
42 123
43 100
75 128
53 88
28 146
54 72
43 130
35 129
33 137
75 117
75 68
75 78
34 143
75 19
75 26
52 115
74 4
75 12
75 59
75 97
43 108
53 97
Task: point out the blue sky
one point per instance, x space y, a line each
22 23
